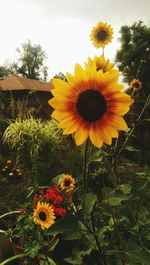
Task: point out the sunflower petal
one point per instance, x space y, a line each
119 110
74 124
95 137
105 135
112 131
82 134
59 115
118 96
54 102
60 84
70 78
116 121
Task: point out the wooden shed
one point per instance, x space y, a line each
20 89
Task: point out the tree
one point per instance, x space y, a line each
61 76
133 58
7 69
31 61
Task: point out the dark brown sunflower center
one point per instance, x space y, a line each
42 216
101 35
91 105
67 183
136 85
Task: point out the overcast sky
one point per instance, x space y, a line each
62 27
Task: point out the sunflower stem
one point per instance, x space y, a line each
85 167
85 170
130 133
132 94
101 254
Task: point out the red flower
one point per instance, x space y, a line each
54 195
70 199
59 211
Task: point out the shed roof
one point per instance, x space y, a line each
12 82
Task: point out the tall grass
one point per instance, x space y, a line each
41 150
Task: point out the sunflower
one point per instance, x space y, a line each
91 104
100 63
44 215
136 84
67 183
101 34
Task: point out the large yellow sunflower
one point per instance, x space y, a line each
100 63
91 104
136 84
44 215
101 34
67 183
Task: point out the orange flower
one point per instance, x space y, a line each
136 84
101 34
67 183
90 104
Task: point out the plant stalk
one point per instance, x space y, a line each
130 133
85 170
101 254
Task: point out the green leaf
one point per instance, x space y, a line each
52 245
90 199
115 197
57 179
51 261
76 258
96 157
138 256
125 188
116 200
67 223
82 227
47 261
131 149
143 120
73 235
107 192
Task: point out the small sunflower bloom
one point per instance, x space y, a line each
100 63
101 34
44 215
67 183
136 84
90 105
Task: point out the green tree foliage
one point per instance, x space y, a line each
133 58
31 61
30 64
7 68
61 76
